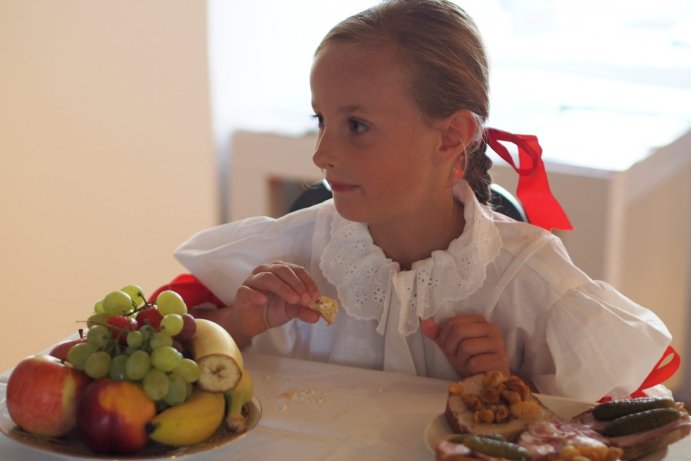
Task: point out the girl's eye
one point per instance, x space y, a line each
356 126
319 119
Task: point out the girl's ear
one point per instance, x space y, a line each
457 132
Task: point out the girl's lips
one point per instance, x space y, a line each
341 187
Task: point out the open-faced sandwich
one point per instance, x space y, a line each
492 404
491 423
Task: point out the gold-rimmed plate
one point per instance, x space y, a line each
71 446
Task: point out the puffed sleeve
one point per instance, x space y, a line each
223 257
601 343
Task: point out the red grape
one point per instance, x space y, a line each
121 325
149 316
189 327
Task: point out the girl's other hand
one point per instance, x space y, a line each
274 294
470 342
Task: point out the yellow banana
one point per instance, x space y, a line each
236 399
218 356
191 422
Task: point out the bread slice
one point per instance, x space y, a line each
491 404
326 307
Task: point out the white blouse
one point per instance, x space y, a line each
570 335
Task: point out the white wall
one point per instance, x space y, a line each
653 263
106 162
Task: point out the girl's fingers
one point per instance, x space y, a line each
289 281
303 313
472 344
246 294
477 346
457 329
312 291
430 328
270 282
487 362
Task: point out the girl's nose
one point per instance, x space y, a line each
322 154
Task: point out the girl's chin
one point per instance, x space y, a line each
350 211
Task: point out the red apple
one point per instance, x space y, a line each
43 394
112 416
61 349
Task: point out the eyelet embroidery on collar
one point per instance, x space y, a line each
362 274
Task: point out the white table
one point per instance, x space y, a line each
317 411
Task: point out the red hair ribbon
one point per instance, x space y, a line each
533 188
192 291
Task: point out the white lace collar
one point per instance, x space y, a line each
364 276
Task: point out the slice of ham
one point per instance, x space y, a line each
547 438
448 450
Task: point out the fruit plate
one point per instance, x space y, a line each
438 428
71 446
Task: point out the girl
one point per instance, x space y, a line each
430 280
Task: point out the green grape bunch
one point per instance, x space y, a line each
131 339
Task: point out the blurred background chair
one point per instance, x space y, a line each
506 203
501 200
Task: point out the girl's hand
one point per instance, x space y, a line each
272 295
470 342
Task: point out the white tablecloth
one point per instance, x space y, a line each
317 411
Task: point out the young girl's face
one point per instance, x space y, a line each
377 151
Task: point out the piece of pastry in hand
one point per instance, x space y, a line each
326 307
490 403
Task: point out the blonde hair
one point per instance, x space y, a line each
443 49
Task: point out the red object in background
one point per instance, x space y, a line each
193 291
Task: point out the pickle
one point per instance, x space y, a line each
496 448
641 422
612 410
459 438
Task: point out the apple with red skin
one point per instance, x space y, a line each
112 416
43 394
61 349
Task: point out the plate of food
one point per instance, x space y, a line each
438 429
71 446
523 425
